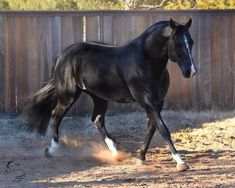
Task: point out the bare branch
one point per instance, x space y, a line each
127 3
161 5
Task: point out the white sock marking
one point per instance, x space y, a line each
193 69
177 158
97 119
111 145
83 86
54 146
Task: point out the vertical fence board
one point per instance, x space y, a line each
33 55
46 47
67 31
2 72
107 29
56 35
204 71
232 54
9 62
216 59
92 28
77 28
227 77
21 64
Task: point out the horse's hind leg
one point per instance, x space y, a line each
98 117
63 105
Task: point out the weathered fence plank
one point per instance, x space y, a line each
2 83
9 64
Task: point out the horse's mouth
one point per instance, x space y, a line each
189 73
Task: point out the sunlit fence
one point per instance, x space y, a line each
30 40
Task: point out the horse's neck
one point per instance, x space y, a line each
155 49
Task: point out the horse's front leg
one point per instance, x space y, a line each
160 125
148 101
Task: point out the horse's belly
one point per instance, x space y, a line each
115 93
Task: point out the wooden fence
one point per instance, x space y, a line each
30 40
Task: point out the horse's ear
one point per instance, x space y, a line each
173 24
189 23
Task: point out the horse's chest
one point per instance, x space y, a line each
164 84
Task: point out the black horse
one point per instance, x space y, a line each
134 72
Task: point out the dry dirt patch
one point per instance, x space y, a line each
206 139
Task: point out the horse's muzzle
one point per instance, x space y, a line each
189 71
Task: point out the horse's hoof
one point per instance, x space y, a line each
182 167
47 153
142 157
120 156
140 162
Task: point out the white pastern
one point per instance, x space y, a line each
177 158
111 145
83 86
97 119
193 69
54 146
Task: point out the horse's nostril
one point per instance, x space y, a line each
187 73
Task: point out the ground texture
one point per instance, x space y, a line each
205 139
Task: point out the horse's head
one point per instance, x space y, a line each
180 47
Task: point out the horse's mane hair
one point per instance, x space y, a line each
157 26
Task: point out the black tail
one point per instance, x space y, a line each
37 113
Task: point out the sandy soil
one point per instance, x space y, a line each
205 139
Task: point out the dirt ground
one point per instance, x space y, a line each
205 139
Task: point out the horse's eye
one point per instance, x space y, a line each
178 45
191 42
